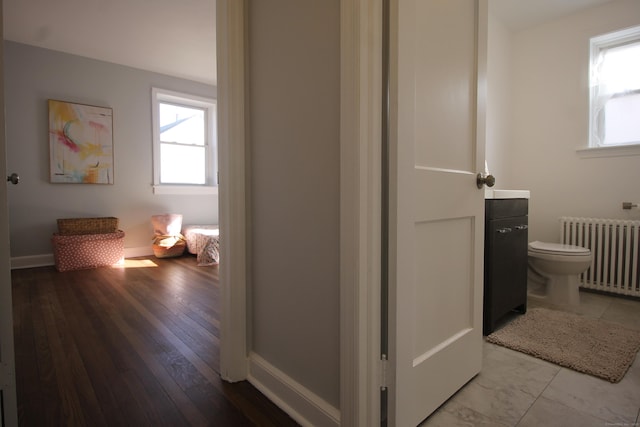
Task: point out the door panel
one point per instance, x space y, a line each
444 110
7 372
451 297
436 210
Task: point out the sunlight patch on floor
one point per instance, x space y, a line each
135 263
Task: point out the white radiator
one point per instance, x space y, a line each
615 246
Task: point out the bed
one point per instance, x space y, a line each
203 241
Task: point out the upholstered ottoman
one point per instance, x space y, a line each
75 252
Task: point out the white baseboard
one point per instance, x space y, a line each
304 406
47 259
31 261
136 252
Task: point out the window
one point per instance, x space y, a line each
615 89
184 143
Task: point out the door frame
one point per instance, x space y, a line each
360 202
361 212
7 355
233 188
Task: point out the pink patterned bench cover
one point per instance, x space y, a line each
76 252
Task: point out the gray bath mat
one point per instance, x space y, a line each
595 347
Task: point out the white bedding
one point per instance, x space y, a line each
202 241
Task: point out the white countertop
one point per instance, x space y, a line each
490 193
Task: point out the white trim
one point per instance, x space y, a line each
231 49
185 190
304 406
138 251
45 260
360 211
615 38
180 97
609 151
31 261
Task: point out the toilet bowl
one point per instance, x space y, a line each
557 267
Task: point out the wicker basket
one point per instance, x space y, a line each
76 226
170 251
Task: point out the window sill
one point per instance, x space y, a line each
185 190
613 151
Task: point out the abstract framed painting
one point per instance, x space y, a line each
80 143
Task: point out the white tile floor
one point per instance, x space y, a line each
514 389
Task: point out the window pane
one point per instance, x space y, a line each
620 69
622 120
182 125
182 164
615 88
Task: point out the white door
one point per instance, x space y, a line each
7 371
438 54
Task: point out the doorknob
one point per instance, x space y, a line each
488 180
14 178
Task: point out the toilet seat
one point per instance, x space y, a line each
544 248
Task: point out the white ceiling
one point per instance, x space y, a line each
178 37
521 14
166 36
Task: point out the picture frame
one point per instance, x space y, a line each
80 143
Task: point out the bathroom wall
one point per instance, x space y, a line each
549 120
498 146
33 75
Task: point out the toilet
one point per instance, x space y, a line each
557 267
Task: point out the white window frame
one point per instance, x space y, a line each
597 44
209 105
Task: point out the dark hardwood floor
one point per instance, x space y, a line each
133 345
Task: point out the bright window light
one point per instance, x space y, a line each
615 89
184 142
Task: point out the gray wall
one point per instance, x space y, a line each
33 75
294 126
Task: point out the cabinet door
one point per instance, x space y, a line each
506 268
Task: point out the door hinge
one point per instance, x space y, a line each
383 371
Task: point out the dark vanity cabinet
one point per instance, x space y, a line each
505 259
